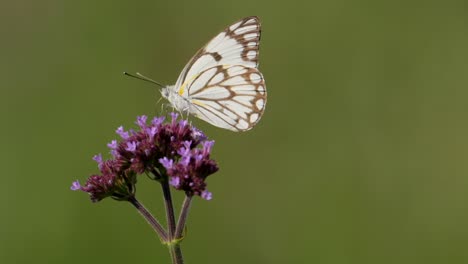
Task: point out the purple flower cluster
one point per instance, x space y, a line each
167 151
120 185
189 172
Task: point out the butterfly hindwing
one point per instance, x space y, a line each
228 96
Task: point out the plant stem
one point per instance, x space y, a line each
157 227
183 216
172 242
176 253
169 209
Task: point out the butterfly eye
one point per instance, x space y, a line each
165 92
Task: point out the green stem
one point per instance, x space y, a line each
157 227
169 209
183 216
176 253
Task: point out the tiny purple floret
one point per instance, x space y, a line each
198 134
141 121
114 153
183 123
151 131
174 117
113 144
123 134
185 159
185 150
98 159
207 145
131 146
174 181
198 157
167 163
206 195
75 186
157 121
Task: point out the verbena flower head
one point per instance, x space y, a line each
190 170
174 151
112 182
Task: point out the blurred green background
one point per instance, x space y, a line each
359 158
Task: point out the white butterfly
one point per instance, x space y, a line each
221 83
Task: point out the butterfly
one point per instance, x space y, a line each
221 83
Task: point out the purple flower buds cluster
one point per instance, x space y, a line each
120 185
189 172
175 151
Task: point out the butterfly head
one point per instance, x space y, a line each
165 91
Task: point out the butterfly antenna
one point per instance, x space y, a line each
140 76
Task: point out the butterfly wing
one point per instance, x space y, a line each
228 96
236 45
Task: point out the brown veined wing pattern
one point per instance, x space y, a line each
221 83
231 97
238 44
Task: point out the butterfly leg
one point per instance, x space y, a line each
162 106
186 110
161 112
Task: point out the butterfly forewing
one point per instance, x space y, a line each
228 96
236 45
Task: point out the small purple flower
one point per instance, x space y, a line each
167 163
98 158
131 146
114 153
123 134
174 117
157 121
174 181
207 145
206 195
75 186
151 131
183 123
185 160
183 151
113 144
113 147
187 144
198 157
198 134
141 121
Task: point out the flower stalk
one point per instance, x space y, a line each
183 217
176 253
152 221
169 209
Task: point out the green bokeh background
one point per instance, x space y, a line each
361 156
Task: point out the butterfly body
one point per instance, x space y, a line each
180 103
221 83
